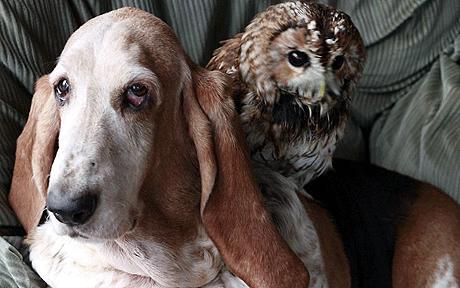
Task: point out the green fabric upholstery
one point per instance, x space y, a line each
14 272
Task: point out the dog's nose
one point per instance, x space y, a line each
72 211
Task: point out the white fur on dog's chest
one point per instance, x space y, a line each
66 262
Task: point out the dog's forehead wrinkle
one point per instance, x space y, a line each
121 36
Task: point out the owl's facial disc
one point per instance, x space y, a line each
310 75
300 62
300 72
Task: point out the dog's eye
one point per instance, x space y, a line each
136 95
298 58
61 90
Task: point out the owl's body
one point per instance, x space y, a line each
293 69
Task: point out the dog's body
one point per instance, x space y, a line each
377 214
367 227
151 185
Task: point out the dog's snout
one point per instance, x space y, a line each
74 211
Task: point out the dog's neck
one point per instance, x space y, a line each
195 263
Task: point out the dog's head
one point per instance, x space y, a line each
121 126
108 86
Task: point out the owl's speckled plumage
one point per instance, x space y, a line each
293 115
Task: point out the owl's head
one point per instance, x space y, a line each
302 60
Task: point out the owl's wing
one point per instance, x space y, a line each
227 59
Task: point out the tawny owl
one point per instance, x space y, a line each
293 69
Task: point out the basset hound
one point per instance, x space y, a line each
138 156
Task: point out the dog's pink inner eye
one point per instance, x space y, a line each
135 100
136 95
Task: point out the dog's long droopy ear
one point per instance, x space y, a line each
34 156
231 203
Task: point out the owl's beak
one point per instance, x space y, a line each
328 93
332 88
328 88
322 89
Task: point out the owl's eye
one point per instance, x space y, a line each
338 62
298 58
61 90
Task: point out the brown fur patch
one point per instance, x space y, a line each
34 157
332 250
430 232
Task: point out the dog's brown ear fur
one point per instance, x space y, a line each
231 203
34 156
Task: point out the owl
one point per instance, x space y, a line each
293 71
